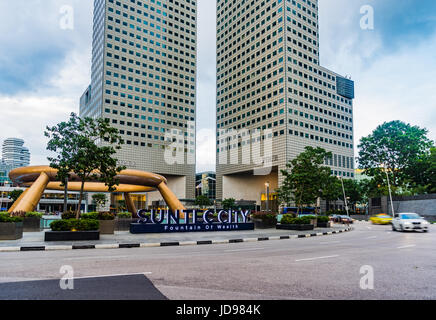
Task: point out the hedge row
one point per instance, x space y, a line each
75 225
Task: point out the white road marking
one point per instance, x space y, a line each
331 242
241 250
115 275
92 257
317 258
405 247
373 237
75 278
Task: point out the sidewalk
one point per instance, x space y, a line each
34 241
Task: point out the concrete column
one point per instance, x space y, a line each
33 195
170 198
12 208
130 204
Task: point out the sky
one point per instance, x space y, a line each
45 67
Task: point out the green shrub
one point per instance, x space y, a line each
323 219
68 215
61 225
33 215
105 216
89 225
89 216
289 219
124 215
73 224
98 216
265 217
6 218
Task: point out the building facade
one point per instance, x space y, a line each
273 96
144 81
205 185
14 155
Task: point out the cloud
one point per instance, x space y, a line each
393 69
206 147
26 115
44 69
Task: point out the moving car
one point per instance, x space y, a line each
345 219
409 222
381 219
341 219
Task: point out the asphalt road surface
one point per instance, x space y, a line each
340 266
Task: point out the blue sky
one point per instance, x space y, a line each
44 69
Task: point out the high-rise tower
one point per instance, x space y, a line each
144 82
269 78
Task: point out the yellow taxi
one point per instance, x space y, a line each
381 219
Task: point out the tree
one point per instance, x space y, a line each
122 205
332 190
353 192
63 141
202 201
229 204
422 173
305 177
14 195
99 199
397 146
95 142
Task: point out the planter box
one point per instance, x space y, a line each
324 224
299 227
107 226
32 224
11 230
260 224
124 224
71 236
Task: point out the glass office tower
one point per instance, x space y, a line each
269 78
144 81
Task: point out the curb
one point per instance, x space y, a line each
166 244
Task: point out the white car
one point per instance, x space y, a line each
409 222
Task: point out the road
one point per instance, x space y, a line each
328 267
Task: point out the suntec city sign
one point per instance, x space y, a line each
167 221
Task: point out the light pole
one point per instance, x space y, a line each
1 203
267 196
389 187
345 197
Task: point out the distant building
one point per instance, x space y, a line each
205 184
359 175
14 155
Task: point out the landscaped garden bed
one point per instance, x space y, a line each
69 229
264 220
123 221
11 228
32 222
106 220
323 222
288 222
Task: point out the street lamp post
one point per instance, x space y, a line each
389 187
267 196
345 197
